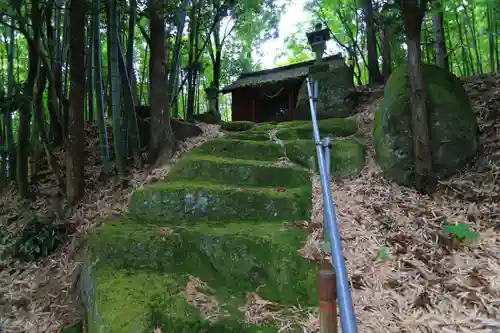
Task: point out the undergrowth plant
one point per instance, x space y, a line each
461 233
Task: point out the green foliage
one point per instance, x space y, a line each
38 239
383 253
461 232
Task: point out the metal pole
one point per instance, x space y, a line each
347 317
326 149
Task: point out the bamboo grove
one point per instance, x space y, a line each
67 62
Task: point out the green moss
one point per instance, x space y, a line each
251 135
178 202
237 126
141 301
347 157
267 126
240 149
237 172
293 124
453 127
142 270
340 127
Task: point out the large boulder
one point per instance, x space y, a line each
453 126
336 95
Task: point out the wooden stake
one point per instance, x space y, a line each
327 292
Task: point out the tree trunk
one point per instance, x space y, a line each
40 121
413 12
471 23
176 53
371 43
386 52
130 49
99 91
76 134
27 107
162 142
90 73
441 53
8 115
193 33
142 100
55 121
119 128
490 16
130 105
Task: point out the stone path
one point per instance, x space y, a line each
218 218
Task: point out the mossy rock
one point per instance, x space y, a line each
453 125
135 275
347 157
336 97
240 149
177 202
238 172
304 130
237 126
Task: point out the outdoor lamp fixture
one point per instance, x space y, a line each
317 40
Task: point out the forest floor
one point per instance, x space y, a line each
421 283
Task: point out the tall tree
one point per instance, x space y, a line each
162 142
99 91
28 92
76 134
439 36
371 42
413 12
119 128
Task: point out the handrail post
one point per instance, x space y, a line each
327 294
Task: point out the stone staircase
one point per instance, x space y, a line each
219 216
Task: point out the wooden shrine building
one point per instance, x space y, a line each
270 95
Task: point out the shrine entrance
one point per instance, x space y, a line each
276 101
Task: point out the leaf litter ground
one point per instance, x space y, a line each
423 283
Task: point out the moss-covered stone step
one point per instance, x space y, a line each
241 149
251 135
337 127
135 275
177 202
346 160
238 172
